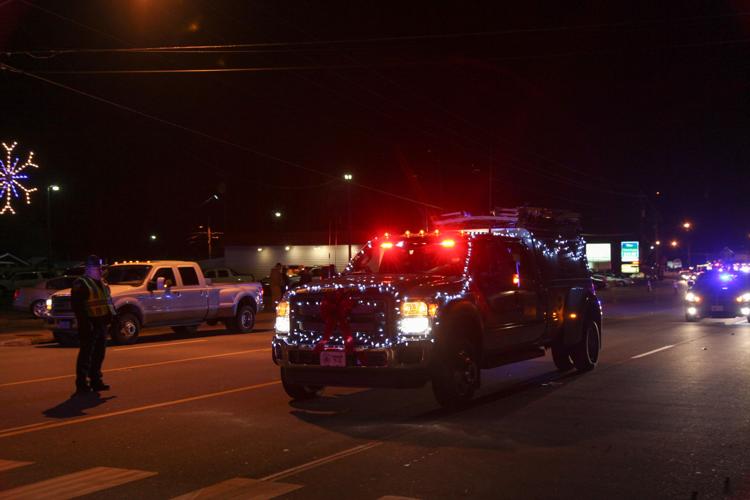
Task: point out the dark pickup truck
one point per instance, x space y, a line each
440 307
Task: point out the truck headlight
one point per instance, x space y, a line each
282 317
745 297
48 303
692 297
416 317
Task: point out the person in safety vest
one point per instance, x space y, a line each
92 305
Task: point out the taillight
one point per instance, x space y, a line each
16 294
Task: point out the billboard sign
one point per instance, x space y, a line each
629 251
599 252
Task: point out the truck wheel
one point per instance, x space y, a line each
243 321
585 354
561 357
126 329
66 339
188 329
456 375
39 308
300 392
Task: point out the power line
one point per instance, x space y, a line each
209 136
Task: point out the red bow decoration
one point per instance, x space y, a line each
335 309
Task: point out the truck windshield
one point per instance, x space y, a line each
133 275
445 257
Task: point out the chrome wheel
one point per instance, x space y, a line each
128 329
247 319
39 309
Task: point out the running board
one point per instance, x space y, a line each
505 358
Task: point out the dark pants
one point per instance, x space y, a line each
92 334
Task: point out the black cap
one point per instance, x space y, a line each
93 261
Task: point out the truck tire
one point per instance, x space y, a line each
185 329
585 354
299 392
66 339
125 329
561 357
243 321
455 374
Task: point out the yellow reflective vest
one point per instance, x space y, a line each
99 302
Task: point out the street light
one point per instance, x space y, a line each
687 225
152 237
277 215
50 188
348 179
657 243
673 243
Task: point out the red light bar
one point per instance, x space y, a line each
448 243
386 245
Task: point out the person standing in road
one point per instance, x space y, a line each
276 282
92 305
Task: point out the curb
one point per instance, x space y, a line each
24 340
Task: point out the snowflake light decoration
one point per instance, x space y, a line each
12 178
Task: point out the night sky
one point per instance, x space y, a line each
593 108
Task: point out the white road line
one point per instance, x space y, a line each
76 484
143 365
170 344
40 426
12 464
241 487
652 352
320 461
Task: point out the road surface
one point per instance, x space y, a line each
666 414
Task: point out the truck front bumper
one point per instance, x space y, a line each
63 324
401 366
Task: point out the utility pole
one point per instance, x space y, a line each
348 178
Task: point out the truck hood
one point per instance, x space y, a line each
412 285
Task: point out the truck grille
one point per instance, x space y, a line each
370 320
61 305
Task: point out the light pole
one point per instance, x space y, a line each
688 226
348 179
50 188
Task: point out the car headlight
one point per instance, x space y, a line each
282 317
745 297
48 303
416 317
692 297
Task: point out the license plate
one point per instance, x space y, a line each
65 324
332 358
717 308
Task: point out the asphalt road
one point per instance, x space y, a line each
666 414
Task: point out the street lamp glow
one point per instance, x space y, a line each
55 187
277 215
687 225
673 243
348 177
657 243
152 237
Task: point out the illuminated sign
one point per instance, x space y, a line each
629 251
599 252
630 268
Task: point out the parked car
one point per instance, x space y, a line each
33 299
162 293
21 279
227 275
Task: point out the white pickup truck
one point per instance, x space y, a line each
162 293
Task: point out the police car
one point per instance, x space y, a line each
718 294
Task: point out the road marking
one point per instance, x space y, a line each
77 484
652 352
241 487
120 349
11 464
320 461
40 426
143 365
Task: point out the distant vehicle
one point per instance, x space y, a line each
718 294
440 307
22 279
599 281
227 275
163 293
33 299
614 279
